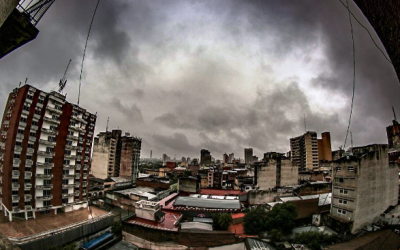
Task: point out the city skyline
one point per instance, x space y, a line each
210 75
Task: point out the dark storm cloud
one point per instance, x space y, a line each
131 113
174 144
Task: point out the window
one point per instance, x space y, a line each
70 133
53 128
65 191
46 204
46 192
341 180
66 172
35 123
49 150
48 160
27 203
14 180
23 119
46 182
26 108
30 97
40 101
66 162
27 192
37 112
14 192
64 201
32 134
30 145
17 156
28 169
68 152
16 168
69 143
65 181
20 131
338 169
27 180
57 107
72 123
51 138
15 204
47 171
55 117
18 143
346 191
29 157
350 168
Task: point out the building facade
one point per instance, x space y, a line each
130 156
205 157
393 135
324 147
107 154
45 158
248 155
304 150
364 186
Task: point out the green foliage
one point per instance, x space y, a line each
255 220
276 235
313 239
173 179
116 228
281 217
71 246
221 221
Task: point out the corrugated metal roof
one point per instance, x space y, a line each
196 225
203 220
207 203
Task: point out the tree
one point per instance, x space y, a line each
255 221
313 239
221 221
281 217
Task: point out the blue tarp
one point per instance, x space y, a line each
93 243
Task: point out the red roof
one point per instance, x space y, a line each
167 223
237 216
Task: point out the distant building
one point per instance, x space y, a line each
189 184
205 157
255 158
364 186
337 154
45 148
231 158
107 154
393 135
225 158
248 155
304 150
324 147
170 164
275 171
130 156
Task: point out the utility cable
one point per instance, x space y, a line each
369 33
84 51
354 74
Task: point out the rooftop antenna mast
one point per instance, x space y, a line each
305 125
394 113
63 81
108 119
351 136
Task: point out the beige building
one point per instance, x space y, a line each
324 147
364 186
106 161
304 150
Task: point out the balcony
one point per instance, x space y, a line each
72 137
22 124
40 105
34 127
45 164
44 208
17 149
68 195
77 184
44 198
37 117
15 173
49 131
44 176
15 198
85 176
25 112
20 136
75 128
28 162
30 150
71 147
47 142
15 185
27 185
44 187
28 197
51 120
32 138
81 139
28 207
54 110
46 153
16 161
67 167
28 174
68 185
15 209
77 193
77 176
68 176
70 157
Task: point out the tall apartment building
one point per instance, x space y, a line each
248 155
45 149
324 147
364 186
115 155
107 154
275 170
393 135
130 156
225 158
231 158
304 150
205 157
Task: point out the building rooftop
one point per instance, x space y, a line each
171 219
196 226
119 179
207 203
140 191
221 192
47 223
218 197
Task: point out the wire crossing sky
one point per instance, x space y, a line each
214 74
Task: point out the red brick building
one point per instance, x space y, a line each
45 149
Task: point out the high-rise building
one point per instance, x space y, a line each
231 158
107 154
45 149
248 155
364 186
324 147
304 150
205 157
130 156
393 135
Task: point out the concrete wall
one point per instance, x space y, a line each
6 7
101 150
266 178
257 197
289 173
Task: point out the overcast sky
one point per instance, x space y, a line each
214 74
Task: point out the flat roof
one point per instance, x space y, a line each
207 203
23 228
169 222
219 197
221 192
196 226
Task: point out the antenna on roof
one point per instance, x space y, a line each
394 113
26 80
63 81
351 136
305 125
108 119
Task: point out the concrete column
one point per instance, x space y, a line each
10 216
26 215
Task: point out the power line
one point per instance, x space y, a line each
354 74
84 51
369 33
